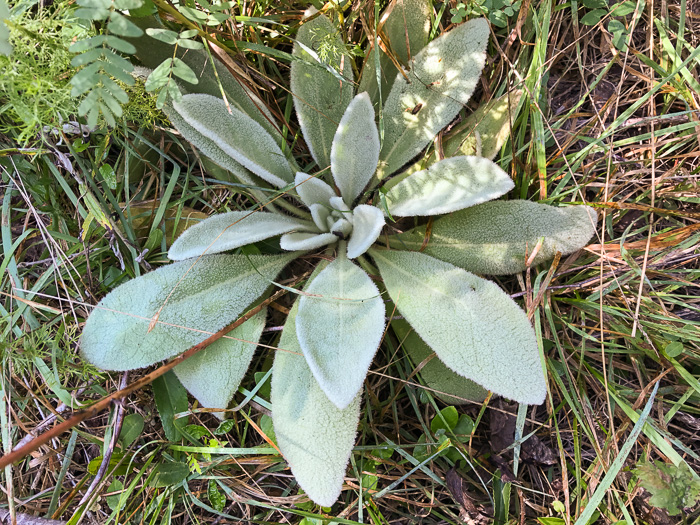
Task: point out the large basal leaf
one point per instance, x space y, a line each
495 238
320 97
215 291
237 135
405 26
449 185
213 375
340 327
442 80
210 148
315 436
355 149
470 323
151 53
449 386
227 231
485 131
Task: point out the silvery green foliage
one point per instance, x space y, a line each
322 86
495 238
339 324
237 135
356 133
405 29
442 79
227 231
485 131
217 289
449 185
315 436
446 384
473 326
210 148
212 376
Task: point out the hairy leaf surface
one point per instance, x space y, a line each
217 289
355 149
470 323
315 436
449 185
313 190
227 231
368 222
443 78
213 375
320 97
449 386
340 327
306 241
237 135
485 131
494 238
406 28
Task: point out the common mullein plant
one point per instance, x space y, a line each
347 208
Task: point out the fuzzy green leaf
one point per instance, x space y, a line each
406 28
315 436
355 149
306 241
340 327
368 222
485 131
495 238
320 98
470 323
216 290
449 185
213 375
313 190
5 46
211 149
227 231
450 387
443 78
237 135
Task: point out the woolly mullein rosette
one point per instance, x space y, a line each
338 321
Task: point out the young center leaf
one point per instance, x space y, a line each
312 190
227 231
449 185
213 375
442 80
495 238
355 149
340 326
237 135
470 323
216 290
315 436
320 96
368 222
